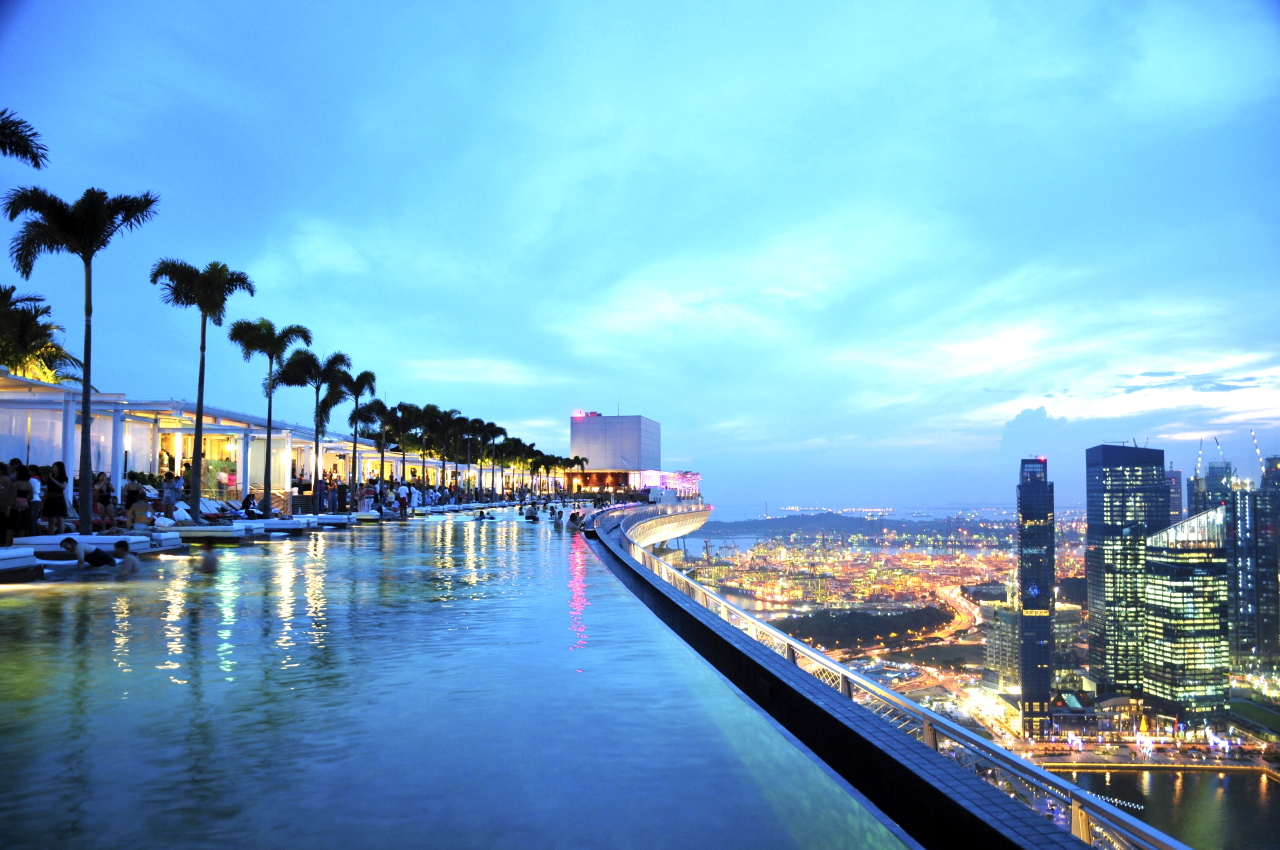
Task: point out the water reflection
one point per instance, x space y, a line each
417 668
578 592
120 650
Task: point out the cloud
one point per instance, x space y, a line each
1197 62
479 370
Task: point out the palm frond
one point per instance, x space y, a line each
20 140
34 238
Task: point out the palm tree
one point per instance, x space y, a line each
363 384
262 337
183 285
328 376
425 426
404 419
84 228
454 426
489 434
474 429
28 345
378 428
20 140
579 463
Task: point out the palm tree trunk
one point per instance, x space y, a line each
86 412
266 472
355 432
315 457
197 455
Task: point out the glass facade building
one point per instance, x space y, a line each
1127 500
1253 560
1185 658
1035 593
1174 477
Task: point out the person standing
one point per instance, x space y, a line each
132 490
6 506
103 492
22 495
54 507
171 494
320 496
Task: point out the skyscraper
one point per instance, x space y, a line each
1127 499
1212 490
1035 593
1253 564
1174 477
1185 650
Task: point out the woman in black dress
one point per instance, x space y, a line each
54 510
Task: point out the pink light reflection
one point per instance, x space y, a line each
578 591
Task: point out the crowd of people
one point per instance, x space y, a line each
32 497
392 497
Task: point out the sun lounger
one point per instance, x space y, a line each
234 533
47 545
19 564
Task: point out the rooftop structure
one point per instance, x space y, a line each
616 443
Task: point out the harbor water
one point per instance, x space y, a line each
1205 809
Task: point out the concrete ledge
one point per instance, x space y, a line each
934 800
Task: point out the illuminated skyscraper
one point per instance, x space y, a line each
1185 647
1127 499
1253 562
1213 490
1035 593
1174 477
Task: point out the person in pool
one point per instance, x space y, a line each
208 560
87 558
126 562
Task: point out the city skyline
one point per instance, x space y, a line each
852 256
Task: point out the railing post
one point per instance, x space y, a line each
1081 824
929 735
791 654
846 686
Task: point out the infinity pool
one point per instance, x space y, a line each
443 683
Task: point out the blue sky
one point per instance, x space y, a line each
850 254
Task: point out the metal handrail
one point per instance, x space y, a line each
1091 819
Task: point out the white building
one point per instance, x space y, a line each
616 443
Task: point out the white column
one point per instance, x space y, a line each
287 470
242 464
69 440
155 446
117 447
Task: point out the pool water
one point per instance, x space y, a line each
442 683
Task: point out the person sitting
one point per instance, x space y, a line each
138 516
87 558
531 512
126 561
